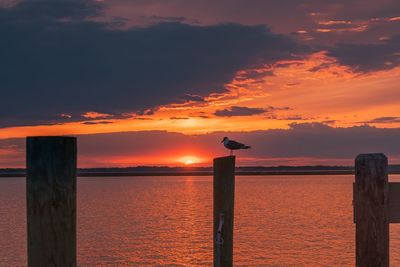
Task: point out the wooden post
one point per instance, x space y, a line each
371 192
224 191
51 201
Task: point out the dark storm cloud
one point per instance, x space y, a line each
306 140
56 61
368 57
239 111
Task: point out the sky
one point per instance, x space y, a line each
161 82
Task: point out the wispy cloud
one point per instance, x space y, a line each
383 120
239 111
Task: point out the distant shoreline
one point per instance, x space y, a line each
255 173
203 171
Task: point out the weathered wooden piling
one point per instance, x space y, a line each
224 195
51 201
371 195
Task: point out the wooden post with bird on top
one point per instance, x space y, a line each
224 195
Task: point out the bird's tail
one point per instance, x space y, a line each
246 147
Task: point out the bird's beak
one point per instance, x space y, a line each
222 141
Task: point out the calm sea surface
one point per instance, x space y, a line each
167 221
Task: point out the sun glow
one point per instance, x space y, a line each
189 160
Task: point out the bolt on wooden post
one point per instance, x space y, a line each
371 206
51 201
224 195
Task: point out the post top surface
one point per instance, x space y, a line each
227 157
55 137
372 156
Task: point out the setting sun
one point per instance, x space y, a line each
189 160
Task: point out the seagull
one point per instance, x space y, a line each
233 145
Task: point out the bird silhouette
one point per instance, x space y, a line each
233 145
